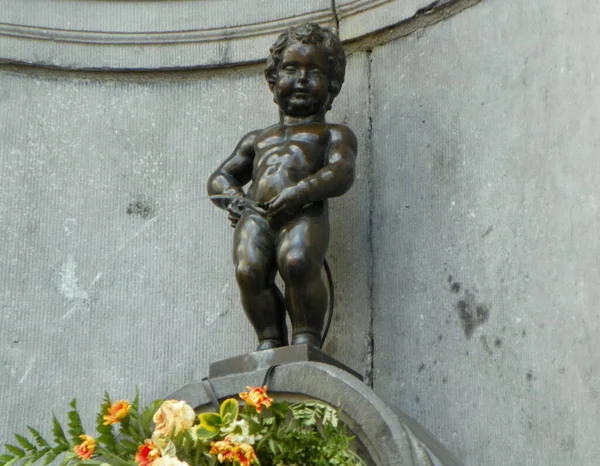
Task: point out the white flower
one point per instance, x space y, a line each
169 461
173 417
239 432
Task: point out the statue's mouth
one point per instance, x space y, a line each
301 94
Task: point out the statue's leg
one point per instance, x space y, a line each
301 247
255 270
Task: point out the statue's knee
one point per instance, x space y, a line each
249 275
296 266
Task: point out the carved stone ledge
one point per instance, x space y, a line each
274 357
147 35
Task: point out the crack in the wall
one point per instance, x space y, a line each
370 350
427 16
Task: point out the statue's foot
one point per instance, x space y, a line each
269 343
307 339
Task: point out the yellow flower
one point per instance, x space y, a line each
86 448
256 397
117 412
172 418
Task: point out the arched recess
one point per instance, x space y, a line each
172 34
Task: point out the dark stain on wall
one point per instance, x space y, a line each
141 206
472 314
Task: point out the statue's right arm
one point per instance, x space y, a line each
231 176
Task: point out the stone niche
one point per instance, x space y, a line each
77 34
114 278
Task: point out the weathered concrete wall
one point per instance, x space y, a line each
486 176
467 249
115 273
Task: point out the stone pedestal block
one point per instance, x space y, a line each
382 432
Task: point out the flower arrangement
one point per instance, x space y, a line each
261 431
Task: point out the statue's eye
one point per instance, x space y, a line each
289 69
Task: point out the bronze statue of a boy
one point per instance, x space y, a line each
293 167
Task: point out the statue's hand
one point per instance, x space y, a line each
235 208
289 200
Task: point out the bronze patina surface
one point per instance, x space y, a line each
292 169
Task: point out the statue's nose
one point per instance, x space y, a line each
303 78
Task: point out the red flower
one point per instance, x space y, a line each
147 453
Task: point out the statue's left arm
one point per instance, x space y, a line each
334 179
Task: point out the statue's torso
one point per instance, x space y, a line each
285 155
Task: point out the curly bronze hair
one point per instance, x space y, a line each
310 33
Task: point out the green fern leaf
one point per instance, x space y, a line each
106 435
135 405
54 452
10 462
106 402
129 425
114 459
130 446
70 459
75 427
41 441
145 418
58 432
16 451
26 444
5 458
39 454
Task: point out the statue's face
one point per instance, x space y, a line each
302 87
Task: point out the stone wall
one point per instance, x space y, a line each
465 257
487 262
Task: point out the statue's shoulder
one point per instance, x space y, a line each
341 132
252 135
250 139
257 133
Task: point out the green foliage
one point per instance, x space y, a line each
131 426
306 433
106 435
41 442
284 433
59 434
145 418
31 451
75 428
229 411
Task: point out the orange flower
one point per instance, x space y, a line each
257 397
118 411
226 450
147 453
223 449
85 449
